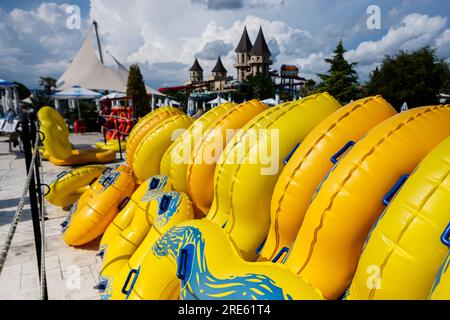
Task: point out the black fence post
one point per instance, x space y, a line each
27 148
120 145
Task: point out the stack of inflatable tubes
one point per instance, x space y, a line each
351 198
244 178
310 111
145 125
202 164
308 166
127 250
67 188
173 163
406 241
57 146
92 214
206 275
148 154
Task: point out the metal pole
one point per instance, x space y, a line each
120 146
26 140
98 40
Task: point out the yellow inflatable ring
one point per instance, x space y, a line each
149 189
309 165
144 125
148 155
112 145
244 181
67 188
89 221
201 254
350 199
85 156
200 172
127 250
405 243
173 163
56 133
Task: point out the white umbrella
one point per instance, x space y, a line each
217 101
113 95
270 102
77 93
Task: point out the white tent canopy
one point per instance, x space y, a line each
87 71
217 101
76 93
113 95
270 102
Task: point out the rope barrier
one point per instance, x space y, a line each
117 117
116 130
18 214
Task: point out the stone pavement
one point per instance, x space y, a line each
71 273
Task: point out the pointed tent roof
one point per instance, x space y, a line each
260 47
196 66
87 71
219 66
245 45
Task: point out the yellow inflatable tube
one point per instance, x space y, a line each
350 200
308 166
147 190
67 188
200 172
112 145
198 257
250 165
441 287
405 244
173 163
85 156
56 134
148 155
89 221
144 125
164 212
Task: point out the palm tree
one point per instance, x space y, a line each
47 83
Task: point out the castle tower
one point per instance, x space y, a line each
196 72
243 56
260 56
219 75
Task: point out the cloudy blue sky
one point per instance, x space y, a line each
164 36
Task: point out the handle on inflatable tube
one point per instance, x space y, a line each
164 203
388 197
445 238
154 184
348 145
61 174
127 281
260 247
182 263
123 203
291 154
280 254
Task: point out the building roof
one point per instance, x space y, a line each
219 66
245 45
196 66
260 47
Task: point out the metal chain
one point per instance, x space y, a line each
18 214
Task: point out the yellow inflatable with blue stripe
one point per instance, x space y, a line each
441 286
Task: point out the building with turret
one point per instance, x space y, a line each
196 72
218 76
252 59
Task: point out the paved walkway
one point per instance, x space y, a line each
71 273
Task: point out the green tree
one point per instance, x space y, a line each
341 81
136 90
259 87
415 78
47 83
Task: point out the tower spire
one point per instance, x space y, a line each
245 45
260 48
